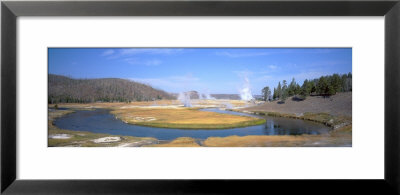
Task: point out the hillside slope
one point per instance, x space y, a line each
67 90
339 104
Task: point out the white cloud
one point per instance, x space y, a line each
273 67
264 78
241 54
243 73
186 78
152 62
310 75
108 52
137 61
299 77
173 83
131 55
162 51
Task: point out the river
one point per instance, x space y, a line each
101 121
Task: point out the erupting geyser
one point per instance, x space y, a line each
245 92
185 99
208 96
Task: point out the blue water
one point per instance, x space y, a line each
101 121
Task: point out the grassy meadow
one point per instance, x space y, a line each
184 118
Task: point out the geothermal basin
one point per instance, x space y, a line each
102 121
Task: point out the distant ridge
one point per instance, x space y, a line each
63 89
226 96
196 95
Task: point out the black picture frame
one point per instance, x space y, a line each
11 10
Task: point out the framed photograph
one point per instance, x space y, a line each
199 97
158 100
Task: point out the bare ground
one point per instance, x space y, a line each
337 105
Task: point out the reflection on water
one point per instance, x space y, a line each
101 121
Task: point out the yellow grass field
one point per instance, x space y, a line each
185 118
178 142
341 136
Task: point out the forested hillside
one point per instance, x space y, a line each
67 90
323 86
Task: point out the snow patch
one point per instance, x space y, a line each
107 140
60 136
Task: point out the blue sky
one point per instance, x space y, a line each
207 70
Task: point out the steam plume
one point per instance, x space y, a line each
185 99
245 92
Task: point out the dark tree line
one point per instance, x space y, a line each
323 86
66 90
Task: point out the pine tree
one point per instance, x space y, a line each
307 87
284 91
298 90
279 91
292 88
266 93
304 91
322 86
336 83
274 96
330 90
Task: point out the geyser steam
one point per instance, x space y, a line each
208 96
245 92
185 99
228 105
